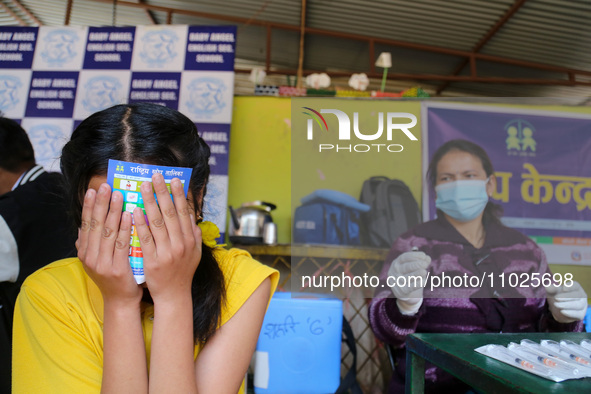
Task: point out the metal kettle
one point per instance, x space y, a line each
248 222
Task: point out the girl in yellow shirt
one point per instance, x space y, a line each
83 325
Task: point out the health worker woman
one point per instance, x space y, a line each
466 239
83 325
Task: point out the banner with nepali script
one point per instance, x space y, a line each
52 78
542 161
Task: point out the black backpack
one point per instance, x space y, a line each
394 210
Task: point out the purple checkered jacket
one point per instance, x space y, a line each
470 310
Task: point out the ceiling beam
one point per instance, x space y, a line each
483 41
68 12
300 72
449 51
12 14
569 72
439 77
268 50
27 12
149 14
500 23
205 15
372 55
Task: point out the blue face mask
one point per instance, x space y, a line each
462 200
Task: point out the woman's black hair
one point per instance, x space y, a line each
492 211
151 134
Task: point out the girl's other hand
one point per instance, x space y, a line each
171 245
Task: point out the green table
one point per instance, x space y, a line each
455 354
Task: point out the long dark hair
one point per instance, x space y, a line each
492 211
152 134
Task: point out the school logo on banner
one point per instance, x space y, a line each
59 47
159 47
206 96
102 92
9 88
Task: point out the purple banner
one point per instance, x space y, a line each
542 162
17 46
109 48
211 48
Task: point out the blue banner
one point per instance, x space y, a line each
52 78
109 48
162 88
17 45
52 94
211 48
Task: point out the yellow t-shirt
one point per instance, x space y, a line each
58 335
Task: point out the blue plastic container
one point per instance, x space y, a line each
588 319
299 348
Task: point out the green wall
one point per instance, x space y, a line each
260 157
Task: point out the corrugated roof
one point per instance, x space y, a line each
551 32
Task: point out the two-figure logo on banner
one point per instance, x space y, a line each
520 140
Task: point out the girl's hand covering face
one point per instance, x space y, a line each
171 245
103 245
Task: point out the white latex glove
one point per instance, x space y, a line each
409 298
567 304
